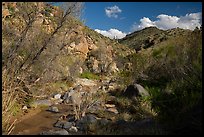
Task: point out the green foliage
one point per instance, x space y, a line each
29 101
125 77
11 9
15 109
89 75
174 77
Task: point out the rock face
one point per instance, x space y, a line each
112 68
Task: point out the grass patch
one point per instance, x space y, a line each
89 75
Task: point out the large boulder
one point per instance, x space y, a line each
135 90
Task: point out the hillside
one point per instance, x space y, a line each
79 82
171 70
149 37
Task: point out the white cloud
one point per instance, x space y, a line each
112 11
189 21
112 33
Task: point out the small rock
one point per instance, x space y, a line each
110 105
73 129
53 109
57 96
65 96
114 110
25 108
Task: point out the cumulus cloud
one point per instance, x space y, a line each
189 21
112 33
112 11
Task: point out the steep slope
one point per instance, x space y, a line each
66 50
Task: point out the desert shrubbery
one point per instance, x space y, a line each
174 77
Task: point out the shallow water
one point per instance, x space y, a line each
42 121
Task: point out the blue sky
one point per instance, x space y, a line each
130 16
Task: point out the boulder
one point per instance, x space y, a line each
142 91
135 90
83 123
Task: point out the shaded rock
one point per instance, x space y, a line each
71 118
53 109
58 132
67 125
85 121
63 124
91 118
135 90
103 121
59 124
